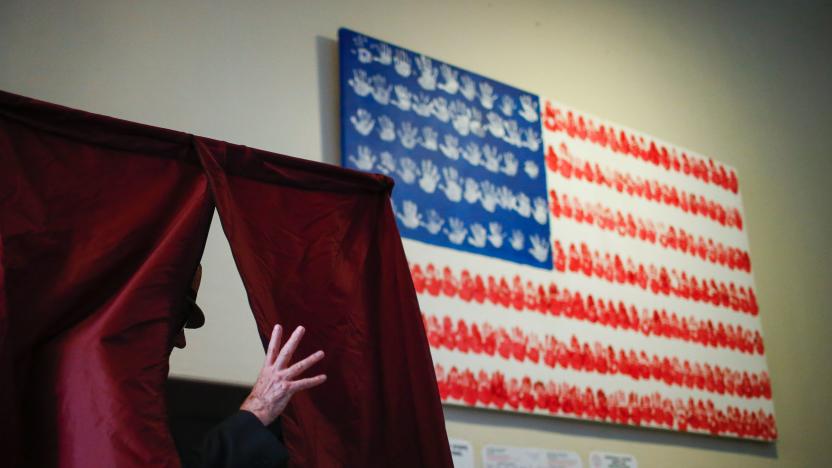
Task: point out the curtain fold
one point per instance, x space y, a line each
102 224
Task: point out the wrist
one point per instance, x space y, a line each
255 406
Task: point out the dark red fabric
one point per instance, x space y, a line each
318 246
102 223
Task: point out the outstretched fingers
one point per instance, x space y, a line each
304 384
285 355
274 344
301 366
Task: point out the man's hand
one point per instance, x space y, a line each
275 385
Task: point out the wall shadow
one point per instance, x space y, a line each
329 104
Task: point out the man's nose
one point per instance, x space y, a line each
179 341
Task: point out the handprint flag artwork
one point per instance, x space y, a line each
565 265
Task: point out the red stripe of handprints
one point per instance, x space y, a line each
614 269
669 237
618 141
549 299
560 398
568 167
583 356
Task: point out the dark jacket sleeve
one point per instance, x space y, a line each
243 441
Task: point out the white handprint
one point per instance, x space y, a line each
408 171
488 196
408 135
410 216
363 121
507 105
387 163
401 62
531 139
460 117
422 105
450 147
365 159
492 158
434 222
495 235
381 90
540 211
512 135
531 168
510 164
529 108
523 205
403 97
539 249
450 84
472 190
469 88
429 139
478 235
360 83
472 154
495 124
384 54
364 54
430 176
487 96
516 240
440 109
386 128
505 198
475 125
458 231
451 186
427 73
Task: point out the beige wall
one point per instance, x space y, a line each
746 82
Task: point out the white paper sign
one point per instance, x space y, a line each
563 459
462 453
499 456
612 460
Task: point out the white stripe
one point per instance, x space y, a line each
484 266
568 231
609 383
563 328
607 160
636 165
646 298
657 212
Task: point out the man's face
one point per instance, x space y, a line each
179 339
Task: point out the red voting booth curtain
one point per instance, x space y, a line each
317 245
102 224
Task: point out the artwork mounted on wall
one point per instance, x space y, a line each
565 265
